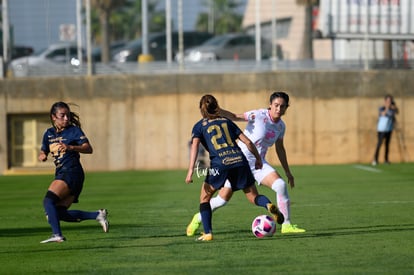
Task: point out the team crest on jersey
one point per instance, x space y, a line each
270 135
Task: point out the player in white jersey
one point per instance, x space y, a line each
264 128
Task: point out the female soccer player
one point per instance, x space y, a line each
265 127
227 162
64 141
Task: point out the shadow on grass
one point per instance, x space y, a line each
332 232
76 227
126 231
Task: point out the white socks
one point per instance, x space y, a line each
215 203
282 197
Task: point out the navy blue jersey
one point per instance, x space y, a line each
219 137
71 135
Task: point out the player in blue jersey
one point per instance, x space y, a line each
64 142
218 135
265 128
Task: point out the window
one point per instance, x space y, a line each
25 133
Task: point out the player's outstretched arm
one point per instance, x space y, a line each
232 116
252 148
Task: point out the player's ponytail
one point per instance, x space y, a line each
209 107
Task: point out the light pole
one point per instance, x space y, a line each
258 33
79 29
88 36
6 31
168 30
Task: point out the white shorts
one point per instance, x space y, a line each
259 174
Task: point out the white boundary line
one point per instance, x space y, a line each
346 204
366 168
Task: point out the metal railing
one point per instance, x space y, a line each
231 66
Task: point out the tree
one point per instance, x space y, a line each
307 46
225 17
104 9
121 20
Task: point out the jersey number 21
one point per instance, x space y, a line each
219 134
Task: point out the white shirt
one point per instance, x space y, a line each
262 131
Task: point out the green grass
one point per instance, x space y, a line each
358 222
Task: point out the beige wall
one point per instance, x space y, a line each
144 122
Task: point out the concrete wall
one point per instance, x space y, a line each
144 122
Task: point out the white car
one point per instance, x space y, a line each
45 60
228 46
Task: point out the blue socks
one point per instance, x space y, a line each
262 200
57 213
49 203
205 212
75 215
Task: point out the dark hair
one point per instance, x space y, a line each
390 97
73 117
209 107
283 95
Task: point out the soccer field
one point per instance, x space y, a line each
359 220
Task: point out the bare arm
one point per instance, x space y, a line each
193 157
252 148
394 107
84 148
281 154
232 116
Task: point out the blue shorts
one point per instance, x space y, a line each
239 178
74 178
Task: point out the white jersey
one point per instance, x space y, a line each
262 131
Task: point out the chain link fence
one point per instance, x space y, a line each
61 27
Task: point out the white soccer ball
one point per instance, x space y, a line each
263 226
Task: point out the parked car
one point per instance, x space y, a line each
61 53
227 46
113 47
157 45
18 51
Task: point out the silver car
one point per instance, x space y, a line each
49 59
228 46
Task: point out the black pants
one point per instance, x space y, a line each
383 136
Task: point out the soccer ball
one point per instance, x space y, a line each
263 226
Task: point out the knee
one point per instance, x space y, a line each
50 199
226 193
279 186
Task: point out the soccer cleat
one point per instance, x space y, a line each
193 225
55 239
102 219
205 237
276 213
291 228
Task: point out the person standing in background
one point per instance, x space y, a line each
385 126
